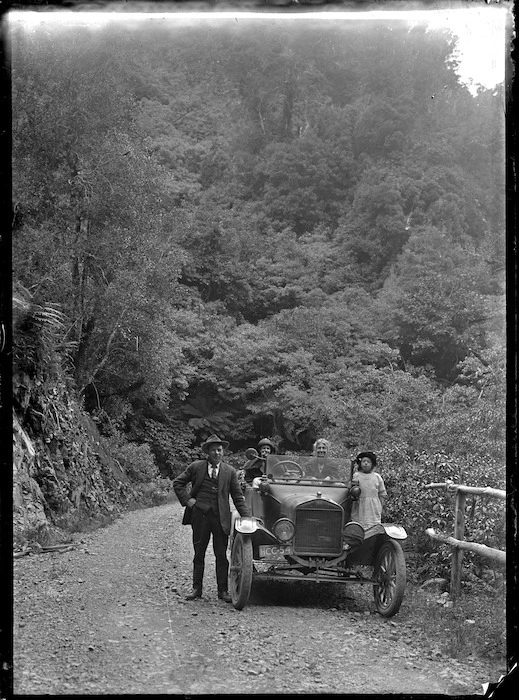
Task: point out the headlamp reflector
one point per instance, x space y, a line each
284 529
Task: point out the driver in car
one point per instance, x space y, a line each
321 467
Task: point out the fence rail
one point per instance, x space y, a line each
481 549
457 541
476 490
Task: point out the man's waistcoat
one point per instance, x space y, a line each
207 496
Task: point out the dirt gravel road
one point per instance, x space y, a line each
109 617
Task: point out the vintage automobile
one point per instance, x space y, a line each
301 530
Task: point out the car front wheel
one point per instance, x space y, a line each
240 570
390 575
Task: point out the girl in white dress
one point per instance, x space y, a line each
367 510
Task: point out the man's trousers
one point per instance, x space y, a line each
204 525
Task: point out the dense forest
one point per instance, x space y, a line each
260 230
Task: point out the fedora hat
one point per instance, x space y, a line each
370 455
214 440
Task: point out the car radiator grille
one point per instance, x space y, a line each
318 531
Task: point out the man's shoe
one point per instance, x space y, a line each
223 595
195 593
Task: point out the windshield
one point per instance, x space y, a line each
289 467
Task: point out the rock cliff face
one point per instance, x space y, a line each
63 477
29 516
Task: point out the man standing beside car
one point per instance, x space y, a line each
208 511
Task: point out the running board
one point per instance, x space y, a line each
322 578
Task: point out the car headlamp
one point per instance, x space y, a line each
355 491
284 529
264 486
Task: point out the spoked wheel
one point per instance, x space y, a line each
389 572
240 577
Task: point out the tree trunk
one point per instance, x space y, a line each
83 342
288 108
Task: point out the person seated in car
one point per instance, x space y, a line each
255 466
321 467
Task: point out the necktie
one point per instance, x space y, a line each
213 473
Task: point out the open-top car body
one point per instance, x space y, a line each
301 530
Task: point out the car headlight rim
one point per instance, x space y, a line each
284 529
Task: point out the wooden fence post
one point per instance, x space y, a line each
457 542
457 554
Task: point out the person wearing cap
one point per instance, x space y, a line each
254 467
320 467
265 448
208 510
367 510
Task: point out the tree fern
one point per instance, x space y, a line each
37 332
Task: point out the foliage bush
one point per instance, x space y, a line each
171 443
154 493
417 508
137 461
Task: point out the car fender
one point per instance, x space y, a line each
245 525
396 532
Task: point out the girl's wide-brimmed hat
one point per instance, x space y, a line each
370 455
266 441
214 440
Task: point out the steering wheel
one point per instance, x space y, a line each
284 470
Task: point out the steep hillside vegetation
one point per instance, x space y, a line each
254 229
65 476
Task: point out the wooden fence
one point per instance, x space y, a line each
457 541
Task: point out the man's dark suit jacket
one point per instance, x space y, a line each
228 484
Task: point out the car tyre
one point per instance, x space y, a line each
241 570
390 574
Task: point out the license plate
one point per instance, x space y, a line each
272 551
